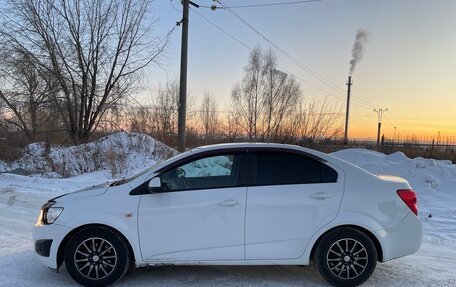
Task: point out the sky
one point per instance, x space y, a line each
409 63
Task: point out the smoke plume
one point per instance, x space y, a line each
357 50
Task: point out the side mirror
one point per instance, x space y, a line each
155 185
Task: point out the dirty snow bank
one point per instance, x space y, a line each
120 154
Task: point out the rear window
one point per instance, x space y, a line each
285 168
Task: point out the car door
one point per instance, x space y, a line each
200 214
291 197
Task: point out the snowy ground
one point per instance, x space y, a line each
434 181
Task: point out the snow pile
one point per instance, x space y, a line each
120 154
425 175
433 180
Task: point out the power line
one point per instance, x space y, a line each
359 100
171 2
159 43
356 112
396 123
213 7
360 104
286 54
367 104
389 122
221 29
170 32
363 105
251 49
395 120
356 100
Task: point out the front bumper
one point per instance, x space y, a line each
47 239
43 247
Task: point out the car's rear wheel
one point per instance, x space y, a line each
346 257
97 256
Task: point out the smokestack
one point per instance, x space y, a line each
349 83
358 47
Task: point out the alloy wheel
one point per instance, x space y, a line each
95 258
347 258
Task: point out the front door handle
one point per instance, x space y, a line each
321 195
229 203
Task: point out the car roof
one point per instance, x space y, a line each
262 146
251 145
215 149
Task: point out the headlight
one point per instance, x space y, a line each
49 214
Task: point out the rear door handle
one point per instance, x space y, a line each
321 195
229 203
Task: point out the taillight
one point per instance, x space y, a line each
409 197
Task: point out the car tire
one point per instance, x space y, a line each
346 257
97 256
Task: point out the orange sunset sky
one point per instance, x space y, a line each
409 63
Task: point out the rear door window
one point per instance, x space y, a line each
274 168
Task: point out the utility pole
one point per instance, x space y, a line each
348 110
379 112
182 109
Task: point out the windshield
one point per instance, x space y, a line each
155 166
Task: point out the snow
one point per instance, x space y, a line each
118 155
433 180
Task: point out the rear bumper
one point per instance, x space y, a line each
47 239
404 239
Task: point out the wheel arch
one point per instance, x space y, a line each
371 235
66 239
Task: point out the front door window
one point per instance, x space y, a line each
210 172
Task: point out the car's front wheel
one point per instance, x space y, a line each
346 257
97 256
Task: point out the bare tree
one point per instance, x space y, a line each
246 96
94 49
281 96
24 94
208 116
166 104
316 122
140 118
265 96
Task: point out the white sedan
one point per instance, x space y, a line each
234 204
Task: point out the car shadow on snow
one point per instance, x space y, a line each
22 269
224 276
